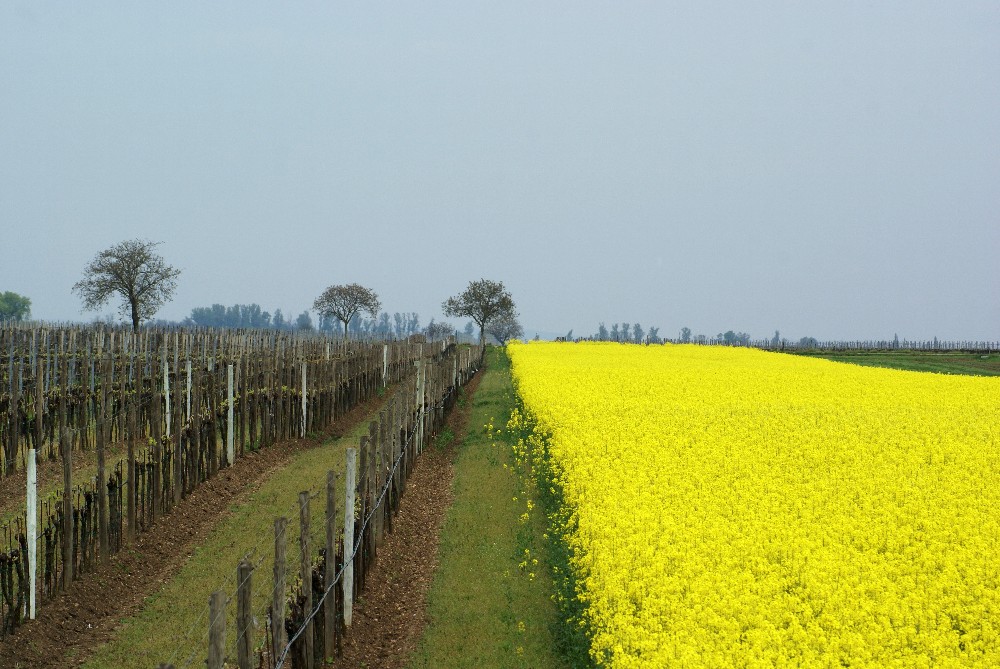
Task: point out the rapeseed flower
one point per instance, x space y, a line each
730 507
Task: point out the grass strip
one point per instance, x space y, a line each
490 603
973 364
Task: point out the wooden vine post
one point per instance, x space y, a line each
305 573
230 423
217 630
156 435
278 638
330 569
66 446
348 574
133 435
244 616
102 436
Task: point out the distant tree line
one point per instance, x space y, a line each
631 333
397 326
246 316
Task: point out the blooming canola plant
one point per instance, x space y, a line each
730 507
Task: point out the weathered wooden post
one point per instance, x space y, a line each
348 573
102 480
216 630
156 420
305 573
166 384
421 405
130 471
230 431
278 639
305 397
67 457
244 617
330 569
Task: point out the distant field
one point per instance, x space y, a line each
975 364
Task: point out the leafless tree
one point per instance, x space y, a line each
344 302
505 327
482 301
133 271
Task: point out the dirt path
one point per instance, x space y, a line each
77 621
391 614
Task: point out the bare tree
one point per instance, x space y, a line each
482 301
133 271
344 302
505 327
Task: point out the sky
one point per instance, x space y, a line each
826 169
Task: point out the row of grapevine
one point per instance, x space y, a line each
178 405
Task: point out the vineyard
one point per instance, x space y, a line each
733 507
139 420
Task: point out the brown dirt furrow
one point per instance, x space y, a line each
391 614
87 615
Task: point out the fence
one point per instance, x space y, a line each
182 403
306 623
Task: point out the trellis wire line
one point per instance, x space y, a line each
354 552
292 549
230 598
254 549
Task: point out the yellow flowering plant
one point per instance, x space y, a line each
730 507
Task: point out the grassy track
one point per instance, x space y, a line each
161 630
486 609
975 364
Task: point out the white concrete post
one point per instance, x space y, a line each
230 423
348 580
385 365
32 518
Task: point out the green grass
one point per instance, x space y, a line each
172 624
975 364
490 603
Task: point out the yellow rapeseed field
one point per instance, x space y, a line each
737 508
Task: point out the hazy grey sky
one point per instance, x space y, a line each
829 169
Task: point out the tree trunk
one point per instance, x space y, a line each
135 314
